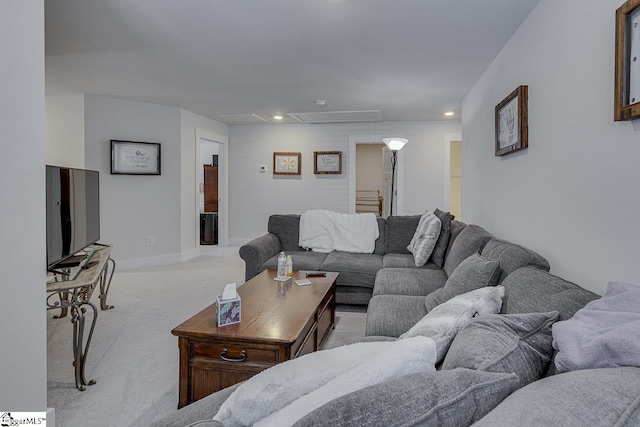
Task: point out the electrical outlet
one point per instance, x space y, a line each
151 240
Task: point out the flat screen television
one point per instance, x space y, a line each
73 211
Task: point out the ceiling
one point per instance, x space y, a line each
228 60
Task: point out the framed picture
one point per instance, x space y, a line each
627 68
512 128
286 163
135 158
327 162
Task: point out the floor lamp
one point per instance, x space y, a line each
395 145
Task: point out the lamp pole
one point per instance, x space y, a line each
394 160
394 145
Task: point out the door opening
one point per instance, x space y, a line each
455 179
372 183
208 186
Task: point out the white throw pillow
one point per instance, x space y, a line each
444 321
406 357
425 238
280 385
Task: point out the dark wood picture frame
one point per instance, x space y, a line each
627 66
512 122
135 158
286 163
327 162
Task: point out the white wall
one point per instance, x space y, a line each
64 130
255 195
572 195
189 122
133 207
22 220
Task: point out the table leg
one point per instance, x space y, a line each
106 283
80 348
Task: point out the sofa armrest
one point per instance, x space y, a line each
257 252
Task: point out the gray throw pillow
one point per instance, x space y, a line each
425 238
517 343
440 249
442 398
605 397
475 272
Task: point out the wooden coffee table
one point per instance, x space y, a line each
280 321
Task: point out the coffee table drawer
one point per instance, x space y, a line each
236 354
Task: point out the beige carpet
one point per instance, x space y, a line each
133 356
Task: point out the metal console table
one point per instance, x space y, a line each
76 294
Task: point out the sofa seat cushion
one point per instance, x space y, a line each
470 240
393 315
354 269
445 399
511 257
405 261
475 272
302 260
593 397
516 343
408 281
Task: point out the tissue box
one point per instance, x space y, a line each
229 311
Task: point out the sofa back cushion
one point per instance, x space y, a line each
470 240
287 228
511 257
456 229
381 241
531 290
440 250
400 231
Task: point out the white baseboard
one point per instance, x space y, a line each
238 241
129 264
190 254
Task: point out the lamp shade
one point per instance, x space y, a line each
395 144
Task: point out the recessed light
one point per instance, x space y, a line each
277 117
449 113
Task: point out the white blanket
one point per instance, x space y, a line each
326 231
281 395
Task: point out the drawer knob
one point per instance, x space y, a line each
223 356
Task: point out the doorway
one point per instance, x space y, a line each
455 179
208 186
372 183
211 189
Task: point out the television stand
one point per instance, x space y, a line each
75 294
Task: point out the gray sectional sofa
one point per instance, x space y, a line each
398 295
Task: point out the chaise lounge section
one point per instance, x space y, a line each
400 295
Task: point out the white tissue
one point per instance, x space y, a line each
229 291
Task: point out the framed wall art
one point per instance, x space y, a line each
512 128
627 67
327 162
286 163
135 158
